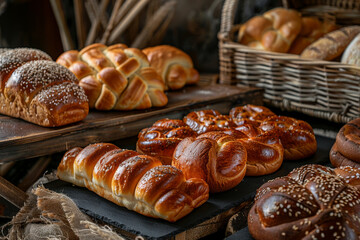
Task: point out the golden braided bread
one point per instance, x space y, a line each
174 65
116 77
138 182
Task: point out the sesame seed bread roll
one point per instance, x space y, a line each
38 90
311 202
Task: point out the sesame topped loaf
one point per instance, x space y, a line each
38 90
312 202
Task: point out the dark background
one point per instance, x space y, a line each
194 28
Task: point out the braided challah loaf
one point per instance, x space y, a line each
161 139
274 31
138 182
215 157
312 202
174 65
38 90
116 77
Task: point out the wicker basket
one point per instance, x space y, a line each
323 89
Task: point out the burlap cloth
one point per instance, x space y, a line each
50 215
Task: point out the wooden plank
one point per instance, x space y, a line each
12 193
21 140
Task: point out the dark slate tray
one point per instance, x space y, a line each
243 234
150 228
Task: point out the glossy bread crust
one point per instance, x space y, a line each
138 182
116 77
173 65
312 202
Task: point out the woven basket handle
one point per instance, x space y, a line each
228 16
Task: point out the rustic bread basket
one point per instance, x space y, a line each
324 89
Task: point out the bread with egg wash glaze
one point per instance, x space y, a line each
138 182
174 65
38 90
207 121
297 136
161 139
116 77
312 202
216 157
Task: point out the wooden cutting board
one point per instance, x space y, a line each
22 140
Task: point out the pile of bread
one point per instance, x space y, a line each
221 149
178 162
287 31
41 91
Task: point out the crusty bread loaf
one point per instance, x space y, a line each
274 31
175 66
352 52
138 182
312 202
38 90
116 77
311 30
332 44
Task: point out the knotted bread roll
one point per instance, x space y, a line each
174 65
215 157
138 182
274 31
161 139
312 202
116 77
38 90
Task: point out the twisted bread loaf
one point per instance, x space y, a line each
174 65
215 157
137 182
312 202
274 31
208 120
116 77
249 117
161 139
297 136
34 88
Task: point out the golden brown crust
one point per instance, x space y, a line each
274 31
332 44
138 182
38 90
116 77
215 157
258 163
348 140
312 202
208 120
296 136
161 139
173 65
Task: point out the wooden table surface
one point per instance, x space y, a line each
22 140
